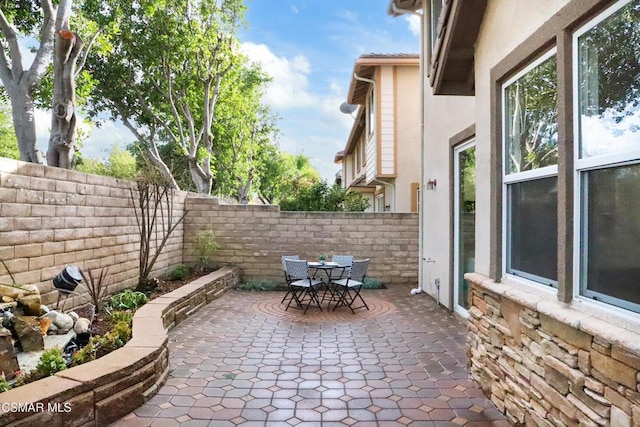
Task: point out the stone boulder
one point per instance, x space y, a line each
29 334
8 358
62 322
31 300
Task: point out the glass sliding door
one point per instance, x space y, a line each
464 206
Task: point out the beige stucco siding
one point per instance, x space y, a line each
445 116
407 113
498 37
386 117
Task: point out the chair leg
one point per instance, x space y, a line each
313 297
356 295
295 296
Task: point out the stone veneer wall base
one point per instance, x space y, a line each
545 364
100 392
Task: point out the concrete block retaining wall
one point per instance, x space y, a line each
545 364
52 217
255 237
100 392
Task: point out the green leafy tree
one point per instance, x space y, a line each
320 196
245 130
8 142
282 173
39 19
163 73
121 163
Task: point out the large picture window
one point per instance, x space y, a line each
607 160
530 123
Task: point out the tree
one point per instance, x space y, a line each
320 196
120 164
63 115
8 142
282 173
245 130
27 18
163 73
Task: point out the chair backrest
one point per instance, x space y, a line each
297 269
344 260
359 269
282 258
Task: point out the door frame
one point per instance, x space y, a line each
455 280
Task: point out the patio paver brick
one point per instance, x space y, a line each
242 360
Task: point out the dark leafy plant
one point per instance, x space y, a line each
179 272
96 286
258 285
372 284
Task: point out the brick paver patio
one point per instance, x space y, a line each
243 361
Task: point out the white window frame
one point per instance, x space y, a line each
371 116
584 165
516 177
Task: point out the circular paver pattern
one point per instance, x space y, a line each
273 308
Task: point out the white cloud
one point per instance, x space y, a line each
290 83
414 24
295 9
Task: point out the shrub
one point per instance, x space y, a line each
205 247
372 284
127 300
258 285
179 272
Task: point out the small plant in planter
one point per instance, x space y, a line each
50 362
127 300
205 247
179 272
322 258
96 287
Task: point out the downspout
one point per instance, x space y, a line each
421 214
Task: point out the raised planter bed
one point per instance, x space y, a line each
100 392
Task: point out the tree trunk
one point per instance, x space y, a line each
203 182
23 112
244 189
63 115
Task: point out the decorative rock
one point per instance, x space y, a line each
28 331
8 359
45 323
82 326
62 321
74 316
31 300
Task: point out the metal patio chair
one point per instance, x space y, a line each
303 286
287 278
348 289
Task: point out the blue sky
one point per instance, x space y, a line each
308 47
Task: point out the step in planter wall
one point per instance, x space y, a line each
100 392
